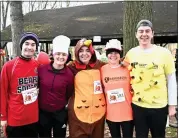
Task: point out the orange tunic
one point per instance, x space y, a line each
89 107
89 103
116 82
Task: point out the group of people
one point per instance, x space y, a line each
136 92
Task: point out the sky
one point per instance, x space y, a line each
72 4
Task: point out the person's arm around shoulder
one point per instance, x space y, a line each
101 76
71 66
101 63
125 61
39 73
70 85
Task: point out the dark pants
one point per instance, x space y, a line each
152 119
53 120
115 129
26 131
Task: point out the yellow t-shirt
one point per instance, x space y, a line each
149 70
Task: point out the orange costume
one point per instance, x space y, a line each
86 108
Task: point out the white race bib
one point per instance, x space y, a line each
30 95
116 96
97 87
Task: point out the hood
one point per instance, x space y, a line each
87 43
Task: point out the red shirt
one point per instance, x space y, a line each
18 75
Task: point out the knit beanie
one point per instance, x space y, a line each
29 36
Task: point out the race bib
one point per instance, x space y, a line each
30 95
116 96
97 87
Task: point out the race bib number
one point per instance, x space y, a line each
97 87
30 95
116 96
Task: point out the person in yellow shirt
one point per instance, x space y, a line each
153 82
116 83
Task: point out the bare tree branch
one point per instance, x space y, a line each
39 5
45 5
67 3
29 5
7 7
54 4
32 5
4 12
60 4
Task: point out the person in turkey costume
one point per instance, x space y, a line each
86 107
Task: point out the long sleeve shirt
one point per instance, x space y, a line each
55 87
18 76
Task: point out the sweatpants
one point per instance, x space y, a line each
152 119
126 127
56 121
26 131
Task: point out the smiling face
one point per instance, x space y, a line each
84 55
113 58
60 58
144 35
28 48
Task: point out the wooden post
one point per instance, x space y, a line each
47 47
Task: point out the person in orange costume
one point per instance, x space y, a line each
116 83
87 107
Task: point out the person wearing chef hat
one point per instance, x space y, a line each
55 88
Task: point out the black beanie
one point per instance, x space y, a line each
29 36
113 50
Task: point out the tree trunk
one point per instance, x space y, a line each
134 11
17 28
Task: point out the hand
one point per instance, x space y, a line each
171 110
4 125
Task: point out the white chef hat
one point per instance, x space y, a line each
61 43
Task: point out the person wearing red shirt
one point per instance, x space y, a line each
19 93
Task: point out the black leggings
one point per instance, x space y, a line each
152 119
52 120
26 131
115 129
